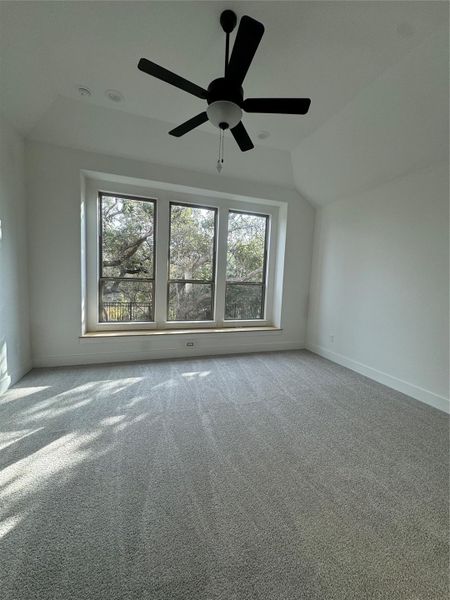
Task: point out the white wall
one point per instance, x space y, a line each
380 284
14 324
55 265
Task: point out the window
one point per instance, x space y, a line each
246 266
169 259
127 258
192 258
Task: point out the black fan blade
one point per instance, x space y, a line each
247 40
242 138
189 125
284 106
155 70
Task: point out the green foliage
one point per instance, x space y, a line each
245 253
245 266
243 301
190 302
191 243
192 232
127 231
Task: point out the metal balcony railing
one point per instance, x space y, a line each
126 311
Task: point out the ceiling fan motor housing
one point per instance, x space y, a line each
224 103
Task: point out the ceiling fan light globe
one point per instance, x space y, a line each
224 111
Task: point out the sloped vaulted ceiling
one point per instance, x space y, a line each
397 123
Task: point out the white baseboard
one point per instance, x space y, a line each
416 392
89 358
5 382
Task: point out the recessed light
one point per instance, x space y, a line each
263 135
84 91
114 95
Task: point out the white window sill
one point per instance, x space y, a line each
192 331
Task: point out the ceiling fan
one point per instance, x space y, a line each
225 96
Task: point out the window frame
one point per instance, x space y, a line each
262 283
212 282
162 199
101 277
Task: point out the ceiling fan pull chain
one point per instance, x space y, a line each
223 144
219 158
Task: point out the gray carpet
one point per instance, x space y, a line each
276 476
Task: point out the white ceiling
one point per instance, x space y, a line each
329 51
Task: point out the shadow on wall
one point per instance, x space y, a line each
5 378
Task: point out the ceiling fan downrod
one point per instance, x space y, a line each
228 21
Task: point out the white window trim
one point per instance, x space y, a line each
163 197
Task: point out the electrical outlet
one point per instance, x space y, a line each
189 344
332 339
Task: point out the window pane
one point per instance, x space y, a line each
190 302
246 247
127 237
192 232
128 300
244 301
